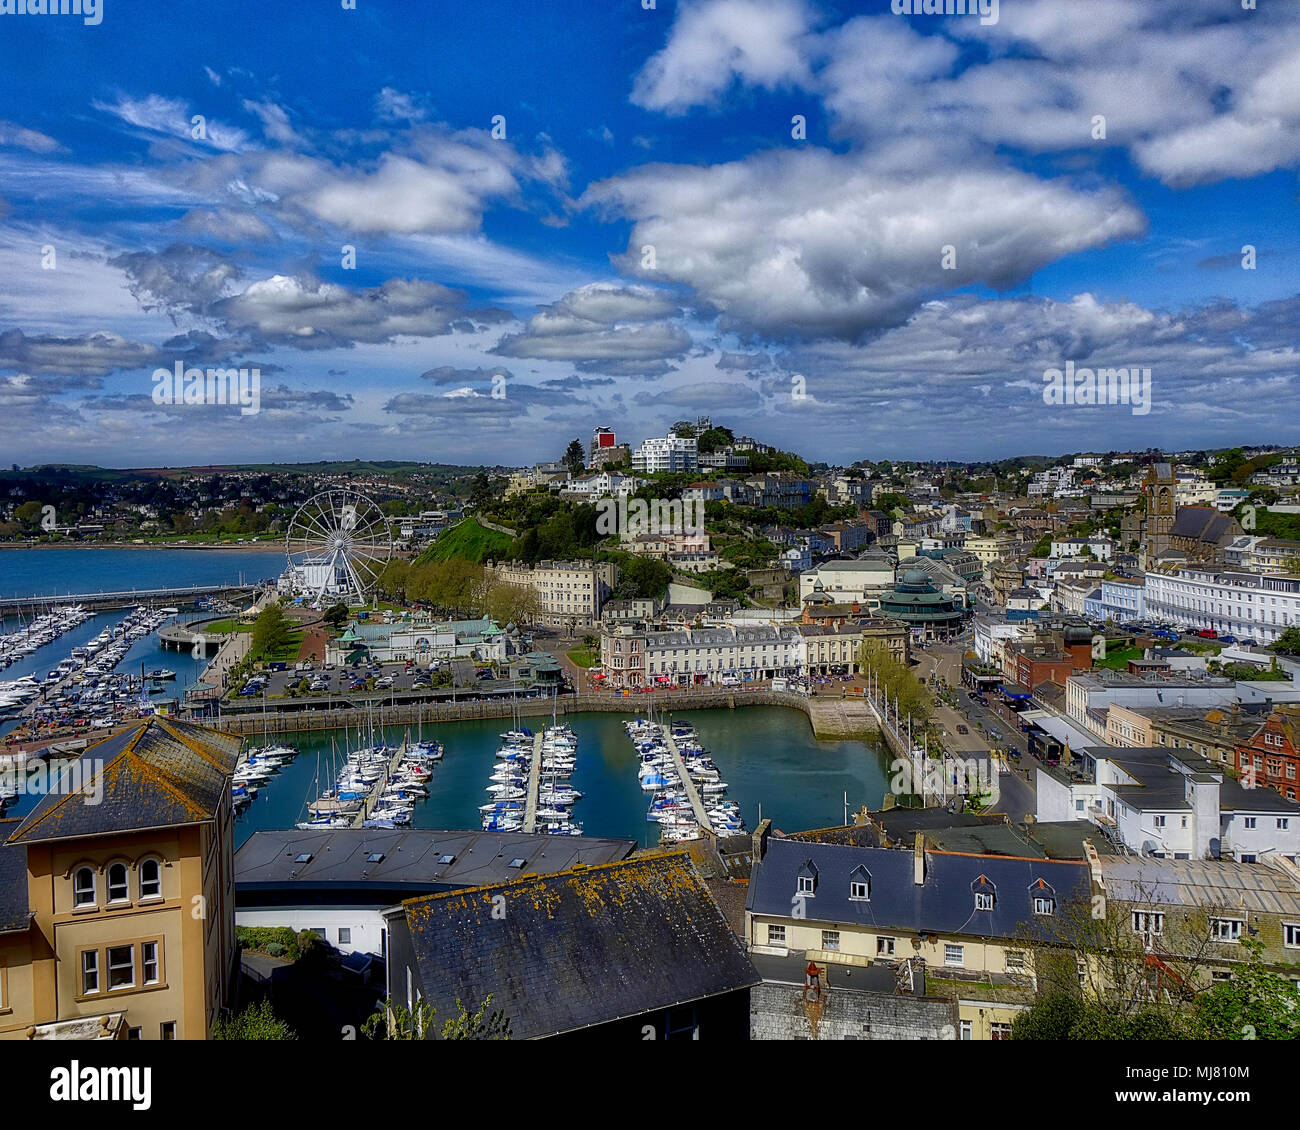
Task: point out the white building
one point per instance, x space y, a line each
1170 805
846 581
667 454
1246 605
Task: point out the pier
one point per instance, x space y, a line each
125 599
534 783
368 805
692 793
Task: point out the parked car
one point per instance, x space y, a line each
963 729
1208 634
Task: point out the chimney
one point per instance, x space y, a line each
918 860
761 833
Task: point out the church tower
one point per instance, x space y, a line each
1161 489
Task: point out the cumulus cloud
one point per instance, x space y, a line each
714 44
96 354
811 243
602 326
181 278
308 314
1195 91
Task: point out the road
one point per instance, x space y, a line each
1017 796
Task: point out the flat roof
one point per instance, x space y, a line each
420 859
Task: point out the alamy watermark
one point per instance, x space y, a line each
91 11
180 385
945 777
987 10
1073 386
36 777
633 517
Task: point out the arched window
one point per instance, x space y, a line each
118 889
83 887
150 879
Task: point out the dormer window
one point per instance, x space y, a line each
1043 898
860 885
985 893
983 900
807 879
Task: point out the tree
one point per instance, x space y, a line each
392 1021
256 1022
1257 1004
574 456
29 514
270 631
1288 643
336 615
895 678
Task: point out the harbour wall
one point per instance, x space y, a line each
831 719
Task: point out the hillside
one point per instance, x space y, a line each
471 541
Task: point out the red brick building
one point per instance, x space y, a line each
1271 759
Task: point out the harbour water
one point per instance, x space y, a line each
767 755
53 572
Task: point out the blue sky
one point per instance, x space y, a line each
797 288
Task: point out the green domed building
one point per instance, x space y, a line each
922 607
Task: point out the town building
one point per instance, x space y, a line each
1246 605
337 882
667 454
961 920
571 593
117 900
1270 757
1162 802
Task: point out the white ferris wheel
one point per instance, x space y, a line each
338 543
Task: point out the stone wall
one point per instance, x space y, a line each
779 1012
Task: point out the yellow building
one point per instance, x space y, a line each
117 898
966 921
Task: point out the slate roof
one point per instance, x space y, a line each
411 858
580 947
160 773
1204 523
14 911
943 904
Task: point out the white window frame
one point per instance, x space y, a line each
1015 960
146 961
1044 906
954 956
123 899
89 969
78 901
156 864
983 900
859 891
775 934
806 885
1227 930
108 961
1148 922
831 941
1291 935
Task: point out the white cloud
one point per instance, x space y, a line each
807 242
